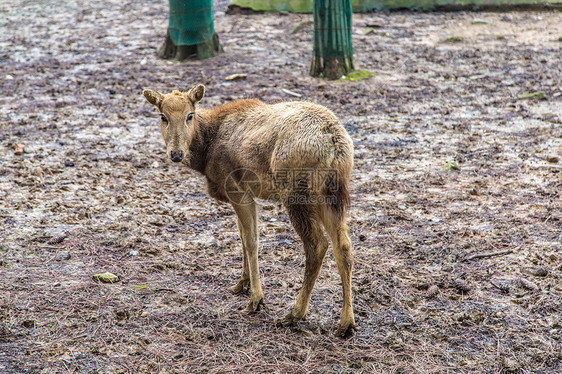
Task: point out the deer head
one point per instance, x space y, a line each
177 119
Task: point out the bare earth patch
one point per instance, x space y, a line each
458 269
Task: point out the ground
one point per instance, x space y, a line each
450 163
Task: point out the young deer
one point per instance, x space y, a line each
297 153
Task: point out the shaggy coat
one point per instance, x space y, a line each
297 153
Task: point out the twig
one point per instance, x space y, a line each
488 254
292 93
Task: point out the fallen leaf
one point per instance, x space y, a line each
106 277
300 26
552 159
367 30
451 165
539 95
479 21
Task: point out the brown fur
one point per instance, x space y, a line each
295 152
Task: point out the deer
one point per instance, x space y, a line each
295 153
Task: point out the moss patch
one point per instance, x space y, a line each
454 39
451 165
358 75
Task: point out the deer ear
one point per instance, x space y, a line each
196 93
153 97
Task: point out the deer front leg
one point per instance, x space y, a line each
243 284
248 223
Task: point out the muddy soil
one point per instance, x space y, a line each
452 167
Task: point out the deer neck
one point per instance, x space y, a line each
203 137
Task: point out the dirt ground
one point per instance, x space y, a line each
450 164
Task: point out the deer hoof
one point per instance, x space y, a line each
254 306
346 330
288 320
241 288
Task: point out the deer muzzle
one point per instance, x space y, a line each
176 156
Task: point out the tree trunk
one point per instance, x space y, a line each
170 51
332 54
191 31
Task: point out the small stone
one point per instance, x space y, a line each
134 253
68 164
65 256
447 268
461 285
432 291
29 323
510 365
475 192
540 272
122 314
362 237
111 91
144 314
502 286
528 284
19 149
396 344
57 239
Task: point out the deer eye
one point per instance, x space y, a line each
163 118
189 117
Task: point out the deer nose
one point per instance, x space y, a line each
176 156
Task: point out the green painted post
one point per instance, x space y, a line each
332 54
191 31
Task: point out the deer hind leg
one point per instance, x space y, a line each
243 284
248 224
338 231
303 218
